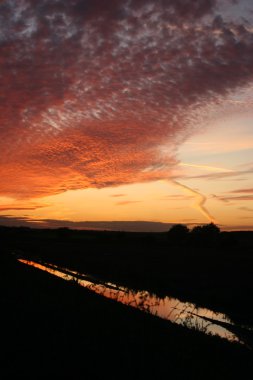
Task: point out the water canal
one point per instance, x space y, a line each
168 308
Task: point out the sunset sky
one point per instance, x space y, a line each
126 110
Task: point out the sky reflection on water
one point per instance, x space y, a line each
171 309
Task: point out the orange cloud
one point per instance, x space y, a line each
91 90
123 203
118 195
11 207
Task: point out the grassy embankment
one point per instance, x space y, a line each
51 327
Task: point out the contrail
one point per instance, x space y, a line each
206 167
200 201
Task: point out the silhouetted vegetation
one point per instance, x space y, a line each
178 234
47 320
208 234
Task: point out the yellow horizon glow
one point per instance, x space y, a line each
162 200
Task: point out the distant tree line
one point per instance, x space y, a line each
206 234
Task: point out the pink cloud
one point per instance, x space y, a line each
238 198
248 209
250 191
91 90
223 175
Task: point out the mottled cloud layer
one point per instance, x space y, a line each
99 93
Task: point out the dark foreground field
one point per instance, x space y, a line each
51 328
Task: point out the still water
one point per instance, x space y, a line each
171 309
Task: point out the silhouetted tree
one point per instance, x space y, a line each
178 234
206 234
212 229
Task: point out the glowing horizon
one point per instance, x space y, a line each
126 111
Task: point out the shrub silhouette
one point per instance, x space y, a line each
208 229
178 233
206 234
